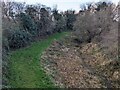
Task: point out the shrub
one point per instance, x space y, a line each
5 66
90 25
85 27
28 24
60 25
70 19
19 38
46 22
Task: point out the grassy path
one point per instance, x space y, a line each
25 69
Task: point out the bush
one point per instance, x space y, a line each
19 38
91 25
85 27
5 66
70 19
60 25
28 24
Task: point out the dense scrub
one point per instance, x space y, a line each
32 22
27 23
91 25
19 39
98 26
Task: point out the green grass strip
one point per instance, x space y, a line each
25 69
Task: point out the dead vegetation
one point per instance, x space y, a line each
85 65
